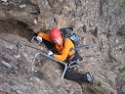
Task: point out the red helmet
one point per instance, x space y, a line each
54 33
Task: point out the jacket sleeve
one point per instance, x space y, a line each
66 50
44 36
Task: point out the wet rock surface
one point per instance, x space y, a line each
99 24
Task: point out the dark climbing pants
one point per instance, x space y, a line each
74 76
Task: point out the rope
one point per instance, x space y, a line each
16 44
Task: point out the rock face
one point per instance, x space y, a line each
99 24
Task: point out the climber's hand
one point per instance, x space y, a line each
39 38
50 53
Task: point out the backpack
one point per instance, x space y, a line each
68 33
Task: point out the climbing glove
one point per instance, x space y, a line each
50 53
39 38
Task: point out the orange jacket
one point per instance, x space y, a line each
63 50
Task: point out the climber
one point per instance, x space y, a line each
63 53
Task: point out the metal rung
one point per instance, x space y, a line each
63 63
35 42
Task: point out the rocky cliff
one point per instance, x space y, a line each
98 23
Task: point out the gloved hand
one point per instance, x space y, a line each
50 53
39 38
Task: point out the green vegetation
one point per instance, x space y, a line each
122 70
99 84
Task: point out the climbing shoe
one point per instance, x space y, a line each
89 78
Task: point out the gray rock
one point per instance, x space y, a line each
99 23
